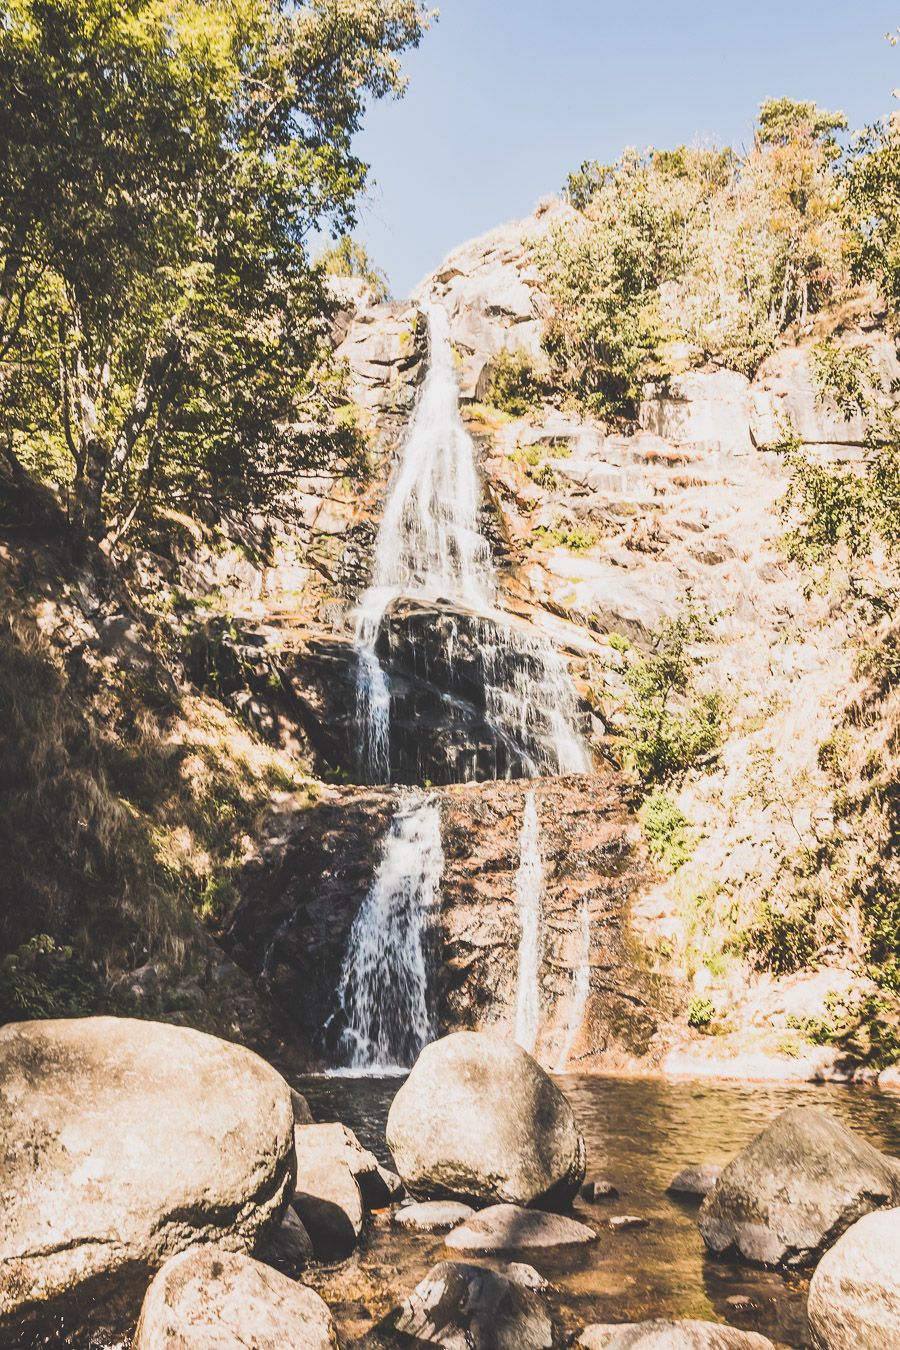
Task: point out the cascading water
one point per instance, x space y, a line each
529 891
385 981
430 547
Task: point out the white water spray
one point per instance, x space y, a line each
430 547
384 988
529 892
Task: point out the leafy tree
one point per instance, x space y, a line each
515 386
164 165
669 724
349 258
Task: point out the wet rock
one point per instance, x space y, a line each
460 1305
302 1113
525 1275
89 1109
289 1247
661 1335
209 1299
479 1118
330 1207
696 1180
795 1188
433 1216
503 1228
595 1191
854 1295
319 1145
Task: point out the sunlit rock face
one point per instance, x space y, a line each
598 1008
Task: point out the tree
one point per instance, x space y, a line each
349 258
165 165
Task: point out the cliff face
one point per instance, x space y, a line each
600 1007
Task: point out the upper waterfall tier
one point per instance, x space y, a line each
430 548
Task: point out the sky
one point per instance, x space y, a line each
506 97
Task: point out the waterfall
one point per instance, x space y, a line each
384 987
430 546
581 987
529 891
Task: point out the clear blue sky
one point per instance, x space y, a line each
506 96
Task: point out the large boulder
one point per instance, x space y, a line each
124 1142
854 1295
468 1307
661 1335
320 1144
708 410
479 1118
501 1228
210 1299
329 1204
795 1188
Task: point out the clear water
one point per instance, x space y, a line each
529 893
430 546
385 986
639 1133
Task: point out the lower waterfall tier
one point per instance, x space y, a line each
598 1006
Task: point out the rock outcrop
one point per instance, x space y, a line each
210 1299
466 1305
791 1193
125 1142
480 1119
854 1295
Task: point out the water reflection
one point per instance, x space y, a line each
639 1133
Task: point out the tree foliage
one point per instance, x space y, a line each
702 249
164 165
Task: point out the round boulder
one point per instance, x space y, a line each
795 1188
124 1142
661 1335
479 1118
854 1295
210 1299
465 1305
503 1228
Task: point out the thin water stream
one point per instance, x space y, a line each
639 1133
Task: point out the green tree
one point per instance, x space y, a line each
164 167
349 258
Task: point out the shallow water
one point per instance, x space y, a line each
639 1133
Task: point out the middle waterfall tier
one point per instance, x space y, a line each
435 653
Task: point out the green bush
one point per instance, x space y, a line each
669 725
784 940
515 386
41 979
700 1012
666 828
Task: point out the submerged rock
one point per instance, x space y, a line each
595 1191
471 1308
670 1336
795 1188
502 1228
124 1142
854 1295
696 1180
478 1117
433 1216
289 1247
209 1299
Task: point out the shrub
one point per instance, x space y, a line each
700 1012
666 828
515 386
669 726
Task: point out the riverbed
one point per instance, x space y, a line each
639 1133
